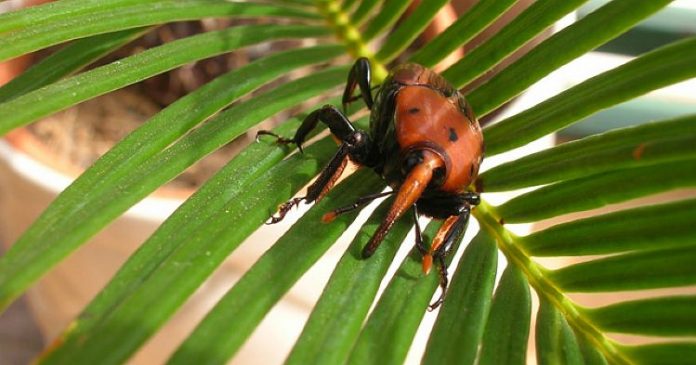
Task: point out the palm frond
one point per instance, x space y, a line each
649 247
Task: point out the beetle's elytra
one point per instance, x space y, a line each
423 140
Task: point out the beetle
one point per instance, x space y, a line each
423 140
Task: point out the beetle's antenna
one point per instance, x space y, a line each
361 202
409 192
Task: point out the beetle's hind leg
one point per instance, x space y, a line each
451 231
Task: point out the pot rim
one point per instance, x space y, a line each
31 160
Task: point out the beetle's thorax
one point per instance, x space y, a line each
426 119
411 74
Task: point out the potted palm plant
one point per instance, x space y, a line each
650 247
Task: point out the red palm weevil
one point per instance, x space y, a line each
424 140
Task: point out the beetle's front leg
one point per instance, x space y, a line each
355 144
337 122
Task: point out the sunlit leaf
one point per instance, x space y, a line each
58 233
664 66
585 34
658 226
632 271
555 340
274 273
138 67
335 322
462 319
119 334
628 147
598 190
125 16
507 329
532 21
665 316
464 29
66 61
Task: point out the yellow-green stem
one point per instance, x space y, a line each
348 33
489 221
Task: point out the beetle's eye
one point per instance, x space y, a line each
438 177
412 159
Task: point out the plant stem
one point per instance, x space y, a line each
538 279
350 36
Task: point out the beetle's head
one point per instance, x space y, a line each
425 164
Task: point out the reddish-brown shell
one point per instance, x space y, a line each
425 118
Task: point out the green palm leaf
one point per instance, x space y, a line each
650 247
507 329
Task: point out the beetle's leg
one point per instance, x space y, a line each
337 122
450 232
444 282
329 175
419 233
361 202
442 207
284 209
359 76
411 189
355 145
472 198
327 178
356 97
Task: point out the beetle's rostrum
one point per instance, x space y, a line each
424 141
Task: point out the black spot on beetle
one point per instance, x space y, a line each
413 111
453 135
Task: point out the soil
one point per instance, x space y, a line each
80 135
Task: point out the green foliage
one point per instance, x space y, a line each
651 247
507 329
460 323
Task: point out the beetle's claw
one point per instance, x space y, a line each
284 209
279 139
265 133
437 303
